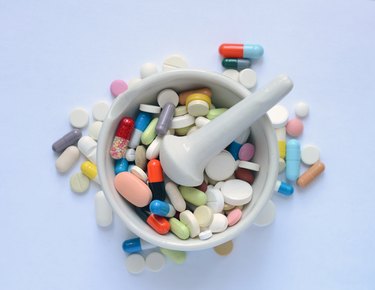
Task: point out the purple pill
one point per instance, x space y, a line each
165 119
67 140
246 152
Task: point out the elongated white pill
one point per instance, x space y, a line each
67 159
103 210
88 146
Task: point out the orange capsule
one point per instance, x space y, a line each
309 175
159 224
156 180
251 51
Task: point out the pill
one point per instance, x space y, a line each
267 215
167 96
192 130
228 207
219 185
130 154
89 169
174 61
155 261
294 127
215 200
156 179
249 165
117 87
244 174
310 154
103 211
122 136
293 153
67 140
205 235
179 229
236 63
149 133
153 149
221 167
234 216
193 195
237 192
165 119
230 50
138 172
183 95
201 121
183 131
191 222
149 109
224 249
246 152
100 111
281 141
67 159
301 109
198 104
162 208
79 182
87 146
177 257
133 83
94 129
214 113
136 245
309 175
232 73
175 196
132 189
135 263
182 121
148 69
204 215
248 78
278 116
140 157
219 223
141 122
282 165
121 165
180 110
79 118
235 146
284 188
203 187
158 223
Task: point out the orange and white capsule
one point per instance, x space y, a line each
120 141
250 51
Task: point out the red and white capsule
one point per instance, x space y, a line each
122 136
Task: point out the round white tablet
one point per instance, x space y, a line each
153 149
248 78
266 215
278 115
94 129
100 111
232 73
137 171
204 215
135 263
130 154
237 192
301 109
182 121
167 96
205 235
249 165
79 118
310 154
180 110
219 223
198 108
174 61
281 165
191 222
149 108
221 167
133 82
148 69
155 261
79 182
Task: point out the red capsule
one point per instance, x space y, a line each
234 50
154 171
122 136
159 224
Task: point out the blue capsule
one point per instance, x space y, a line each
121 165
136 245
162 208
284 188
293 156
141 122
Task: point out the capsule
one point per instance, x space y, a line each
89 169
165 119
87 146
293 157
309 175
281 141
162 208
67 140
136 245
230 50
141 123
121 165
158 223
156 179
284 188
236 63
121 139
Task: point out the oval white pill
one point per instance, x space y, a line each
310 154
248 78
232 73
219 223
205 235
137 171
175 196
79 118
278 116
221 167
174 61
191 222
266 215
149 108
301 109
167 96
155 261
153 149
135 263
237 192
103 210
182 121
215 199
130 154
94 129
79 182
67 159
87 146
100 111
249 165
148 69
204 215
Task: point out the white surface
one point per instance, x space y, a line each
79 182
232 73
182 121
137 171
249 165
191 222
149 108
174 62
87 146
215 199
148 69
49 65
301 109
135 263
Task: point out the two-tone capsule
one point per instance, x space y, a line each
136 245
122 137
156 179
230 50
162 208
236 63
284 188
141 123
158 223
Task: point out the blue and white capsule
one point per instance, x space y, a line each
293 159
284 188
141 122
162 208
235 146
136 245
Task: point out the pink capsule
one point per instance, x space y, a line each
120 141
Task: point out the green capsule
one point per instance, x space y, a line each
193 195
236 63
179 229
149 133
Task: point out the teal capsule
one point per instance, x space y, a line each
293 157
236 63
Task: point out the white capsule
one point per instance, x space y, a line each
130 154
88 146
153 149
103 210
175 196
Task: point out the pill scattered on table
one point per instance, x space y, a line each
79 118
135 263
310 154
79 183
100 111
155 261
301 109
117 87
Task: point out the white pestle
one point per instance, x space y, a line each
184 158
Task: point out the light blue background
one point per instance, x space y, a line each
55 55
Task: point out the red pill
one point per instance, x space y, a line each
245 175
159 224
122 136
154 171
230 50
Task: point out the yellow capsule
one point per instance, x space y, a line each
89 169
281 140
282 148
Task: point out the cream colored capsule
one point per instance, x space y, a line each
103 210
67 159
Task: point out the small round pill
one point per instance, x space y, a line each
198 108
117 87
266 215
174 61
182 122
232 73
155 261
221 166
247 78
294 127
149 108
167 96
301 109
191 222
100 111
224 249
79 118
79 182
94 129
310 154
249 165
246 152
135 263
204 215
278 116
237 192
148 69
